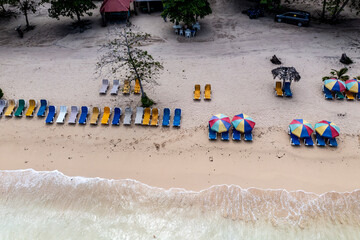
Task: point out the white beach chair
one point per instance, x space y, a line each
3 105
73 114
104 86
115 88
62 114
128 114
139 115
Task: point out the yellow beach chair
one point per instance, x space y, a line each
278 89
95 116
31 109
349 95
106 116
137 87
207 93
197 92
126 88
155 117
9 111
147 115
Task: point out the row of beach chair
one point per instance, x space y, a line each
151 117
11 107
329 95
145 116
116 85
282 90
207 92
319 140
225 136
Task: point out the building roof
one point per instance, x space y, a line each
115 6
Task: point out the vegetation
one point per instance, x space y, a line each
145 101
2 4
338 74
335 7
123 57
71 8
25 7
331 9
186 11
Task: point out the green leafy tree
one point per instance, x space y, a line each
25 7
333 8
2 3
8 2
124 57
71 8
187 11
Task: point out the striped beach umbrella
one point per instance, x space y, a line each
301 128
335 85
352 85
327 129
220 123
243 123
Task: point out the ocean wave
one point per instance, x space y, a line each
37 205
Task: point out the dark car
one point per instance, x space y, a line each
298 18
254 13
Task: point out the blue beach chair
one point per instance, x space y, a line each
248 136
166 117
236 135
117 115
225 136
42 109
177 117
327 93
308 141
51 115
332 142
294 140
287 90
84 114
212 134
320 141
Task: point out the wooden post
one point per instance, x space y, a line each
148 6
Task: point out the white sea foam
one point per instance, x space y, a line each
50 205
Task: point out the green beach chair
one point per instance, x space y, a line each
21 107
339 96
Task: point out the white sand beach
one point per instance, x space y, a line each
232 53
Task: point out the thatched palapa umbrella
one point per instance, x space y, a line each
286 74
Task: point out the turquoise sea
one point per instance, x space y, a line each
50 205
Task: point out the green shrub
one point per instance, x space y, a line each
1 93
338 74
146 102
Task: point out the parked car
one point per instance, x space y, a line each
254 13
299 18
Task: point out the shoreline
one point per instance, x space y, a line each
174 189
